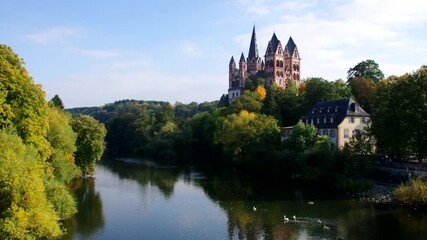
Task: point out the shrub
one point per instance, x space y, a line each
414 192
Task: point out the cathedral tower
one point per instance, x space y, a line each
292 62
274 63
253 61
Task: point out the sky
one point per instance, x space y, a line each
94 52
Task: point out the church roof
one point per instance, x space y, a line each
232 61
291 45
274 42
253 48
242 58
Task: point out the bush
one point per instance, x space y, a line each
414 192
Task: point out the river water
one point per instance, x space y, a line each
129 199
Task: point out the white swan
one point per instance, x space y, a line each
285 218
254 208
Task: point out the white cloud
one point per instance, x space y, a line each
53 35
333 36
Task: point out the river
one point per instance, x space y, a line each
130 199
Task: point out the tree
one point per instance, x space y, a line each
56 101
367 69
25 211
253 82
303 136
22 103
319 90
261 92
363 90
62 139
246 135
400 123
90 142
250 101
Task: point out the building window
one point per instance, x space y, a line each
325 120
332 119
317 120
346 133
362 120
351 119
332 133
325 132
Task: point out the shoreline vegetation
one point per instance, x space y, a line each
52 145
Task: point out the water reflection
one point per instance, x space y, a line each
145 173
89 218
171 203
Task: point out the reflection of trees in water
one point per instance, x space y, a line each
345 219
162 178
89 218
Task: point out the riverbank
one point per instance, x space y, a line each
378 193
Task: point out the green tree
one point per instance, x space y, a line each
90 142
363 90
56 101
22 103
25 211
246 135
62 139
400 123
319 90
303 137
367 69
249 101
253 82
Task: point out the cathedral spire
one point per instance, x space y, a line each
253 48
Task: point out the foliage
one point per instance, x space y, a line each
362 144
56 101
249 101
400 123
303 137
246 135
261 92
89 143
22 103
25 211
253 82
363 89
366 69
414 192
320 90
62 139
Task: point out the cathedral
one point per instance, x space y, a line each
279 66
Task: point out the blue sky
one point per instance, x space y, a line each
93 52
